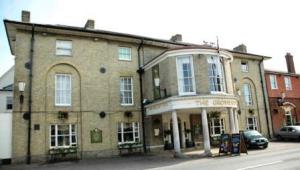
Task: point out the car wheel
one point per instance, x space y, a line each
265 147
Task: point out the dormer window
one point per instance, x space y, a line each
216 74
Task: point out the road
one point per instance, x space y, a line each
278 156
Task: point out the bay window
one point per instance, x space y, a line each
216 74
185 75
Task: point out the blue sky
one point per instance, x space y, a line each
268 27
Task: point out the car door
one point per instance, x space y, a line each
292 133
283 132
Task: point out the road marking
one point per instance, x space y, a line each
260 165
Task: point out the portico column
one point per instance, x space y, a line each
231 119
205 133
176 134
236 121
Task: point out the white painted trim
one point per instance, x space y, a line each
181 52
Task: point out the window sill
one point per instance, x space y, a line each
187 94
124 60
218 93
127 104
62 105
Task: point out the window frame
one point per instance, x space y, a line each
254 124
249 96
122 58
288 114
8 104
274 78
70 134
246 68
55 90
135 129
180 86
219 66
132 97
213 127
57 48
288 83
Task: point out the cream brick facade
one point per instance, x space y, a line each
94 92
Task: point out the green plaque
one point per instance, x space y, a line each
96 136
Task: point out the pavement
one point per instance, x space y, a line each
279 155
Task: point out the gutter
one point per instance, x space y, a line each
264 96
30 96
140 72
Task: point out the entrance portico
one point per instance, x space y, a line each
195 104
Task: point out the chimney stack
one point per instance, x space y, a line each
290 63
25 16
241 48
90 24
176 38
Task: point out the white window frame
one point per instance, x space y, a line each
247 97
57 103
123 90
64 48
9 98
221 74
180 77
254 124
213 127
288 83
135 131
122 54
273 82
71 134
244 66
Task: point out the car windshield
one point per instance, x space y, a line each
252 133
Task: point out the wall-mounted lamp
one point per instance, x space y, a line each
156 81
21 90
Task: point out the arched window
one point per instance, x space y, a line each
216 74
247 94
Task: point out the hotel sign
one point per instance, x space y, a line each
217 102
191 103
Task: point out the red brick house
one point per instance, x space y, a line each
284 95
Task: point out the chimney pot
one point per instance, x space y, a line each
241 48
290 63
25 16
90 24
176 38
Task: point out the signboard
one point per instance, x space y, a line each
235 143
224 143
96 136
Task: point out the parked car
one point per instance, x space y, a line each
253 139
288 132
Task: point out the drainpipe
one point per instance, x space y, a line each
30 96
264 95
140 72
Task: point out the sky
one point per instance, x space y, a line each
266 27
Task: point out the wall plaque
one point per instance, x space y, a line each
96 136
